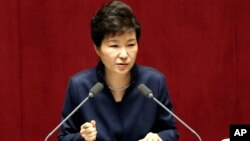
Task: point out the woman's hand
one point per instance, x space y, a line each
88 131
151 137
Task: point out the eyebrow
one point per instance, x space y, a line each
114 40
133 39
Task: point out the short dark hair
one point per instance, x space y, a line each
114 17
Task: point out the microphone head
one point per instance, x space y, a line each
95 89
145 90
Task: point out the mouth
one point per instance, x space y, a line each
122 65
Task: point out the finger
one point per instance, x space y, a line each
89 130
89 133
148 136
86 125
159 138
93 122
91 136
154 137
145 138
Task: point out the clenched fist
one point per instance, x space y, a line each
88 131
151 137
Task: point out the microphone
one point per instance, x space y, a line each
148 93
92 92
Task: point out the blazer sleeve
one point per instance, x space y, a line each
70 130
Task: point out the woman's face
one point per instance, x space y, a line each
118 52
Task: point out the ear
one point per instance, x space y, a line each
97 50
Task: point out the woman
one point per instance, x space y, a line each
119 112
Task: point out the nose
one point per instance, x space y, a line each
123 53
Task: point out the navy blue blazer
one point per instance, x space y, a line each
128 120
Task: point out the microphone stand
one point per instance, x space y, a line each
94 90
58 126
181 121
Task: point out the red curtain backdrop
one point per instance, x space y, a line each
202 47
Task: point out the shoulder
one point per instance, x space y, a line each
81 82
85 76
153 79
149 76
84 73
146 71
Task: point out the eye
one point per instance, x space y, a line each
131 45
113 46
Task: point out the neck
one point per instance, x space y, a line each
118 82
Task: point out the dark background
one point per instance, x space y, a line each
202 47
